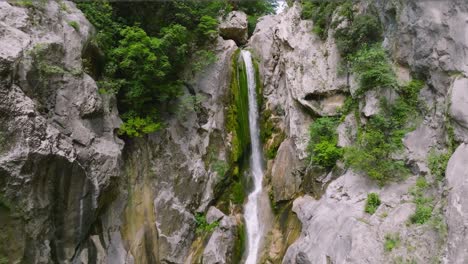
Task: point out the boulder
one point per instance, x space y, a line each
235 27
457 205
220 246
459 107
285 179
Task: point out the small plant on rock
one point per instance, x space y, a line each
202 224
373 202
392 241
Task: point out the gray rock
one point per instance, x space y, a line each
235 27
213 214
457 205
459 107
285 179
220 247
335 228
347 131
61 161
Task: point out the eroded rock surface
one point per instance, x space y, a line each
234 26
59 151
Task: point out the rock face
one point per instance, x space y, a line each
336 229
220 246
457 206
300 77
59 151
459 107
235 27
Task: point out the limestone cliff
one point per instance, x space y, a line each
71 191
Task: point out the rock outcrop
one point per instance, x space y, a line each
59 151
234 26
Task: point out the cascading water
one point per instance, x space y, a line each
252 207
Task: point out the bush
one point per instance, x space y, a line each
437 163
422 214
202 224
391 241
372 203
323 149
136 126
372 152
321 14
208 27
424 205
373 69
363 30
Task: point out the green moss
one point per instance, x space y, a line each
74 25
239 246
237 120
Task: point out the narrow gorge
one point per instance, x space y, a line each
229 131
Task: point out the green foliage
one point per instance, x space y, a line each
74 25
3 260
422 214
437 163
136 126
322 147
363 30
220 167
203 59
25 3
321 13
373 69
373 202
188 104
391 241
411 92
202 224
208 27
424 206
237 193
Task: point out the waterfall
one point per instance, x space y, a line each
251 210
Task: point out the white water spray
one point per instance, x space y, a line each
252 212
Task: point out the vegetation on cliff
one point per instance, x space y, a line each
147 45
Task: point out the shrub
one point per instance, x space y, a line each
202 224
363 30
322 146
372 152
203 59
391 241
422 214
437 163
372 203
373 69
424 205
208 27
136 126
321 14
